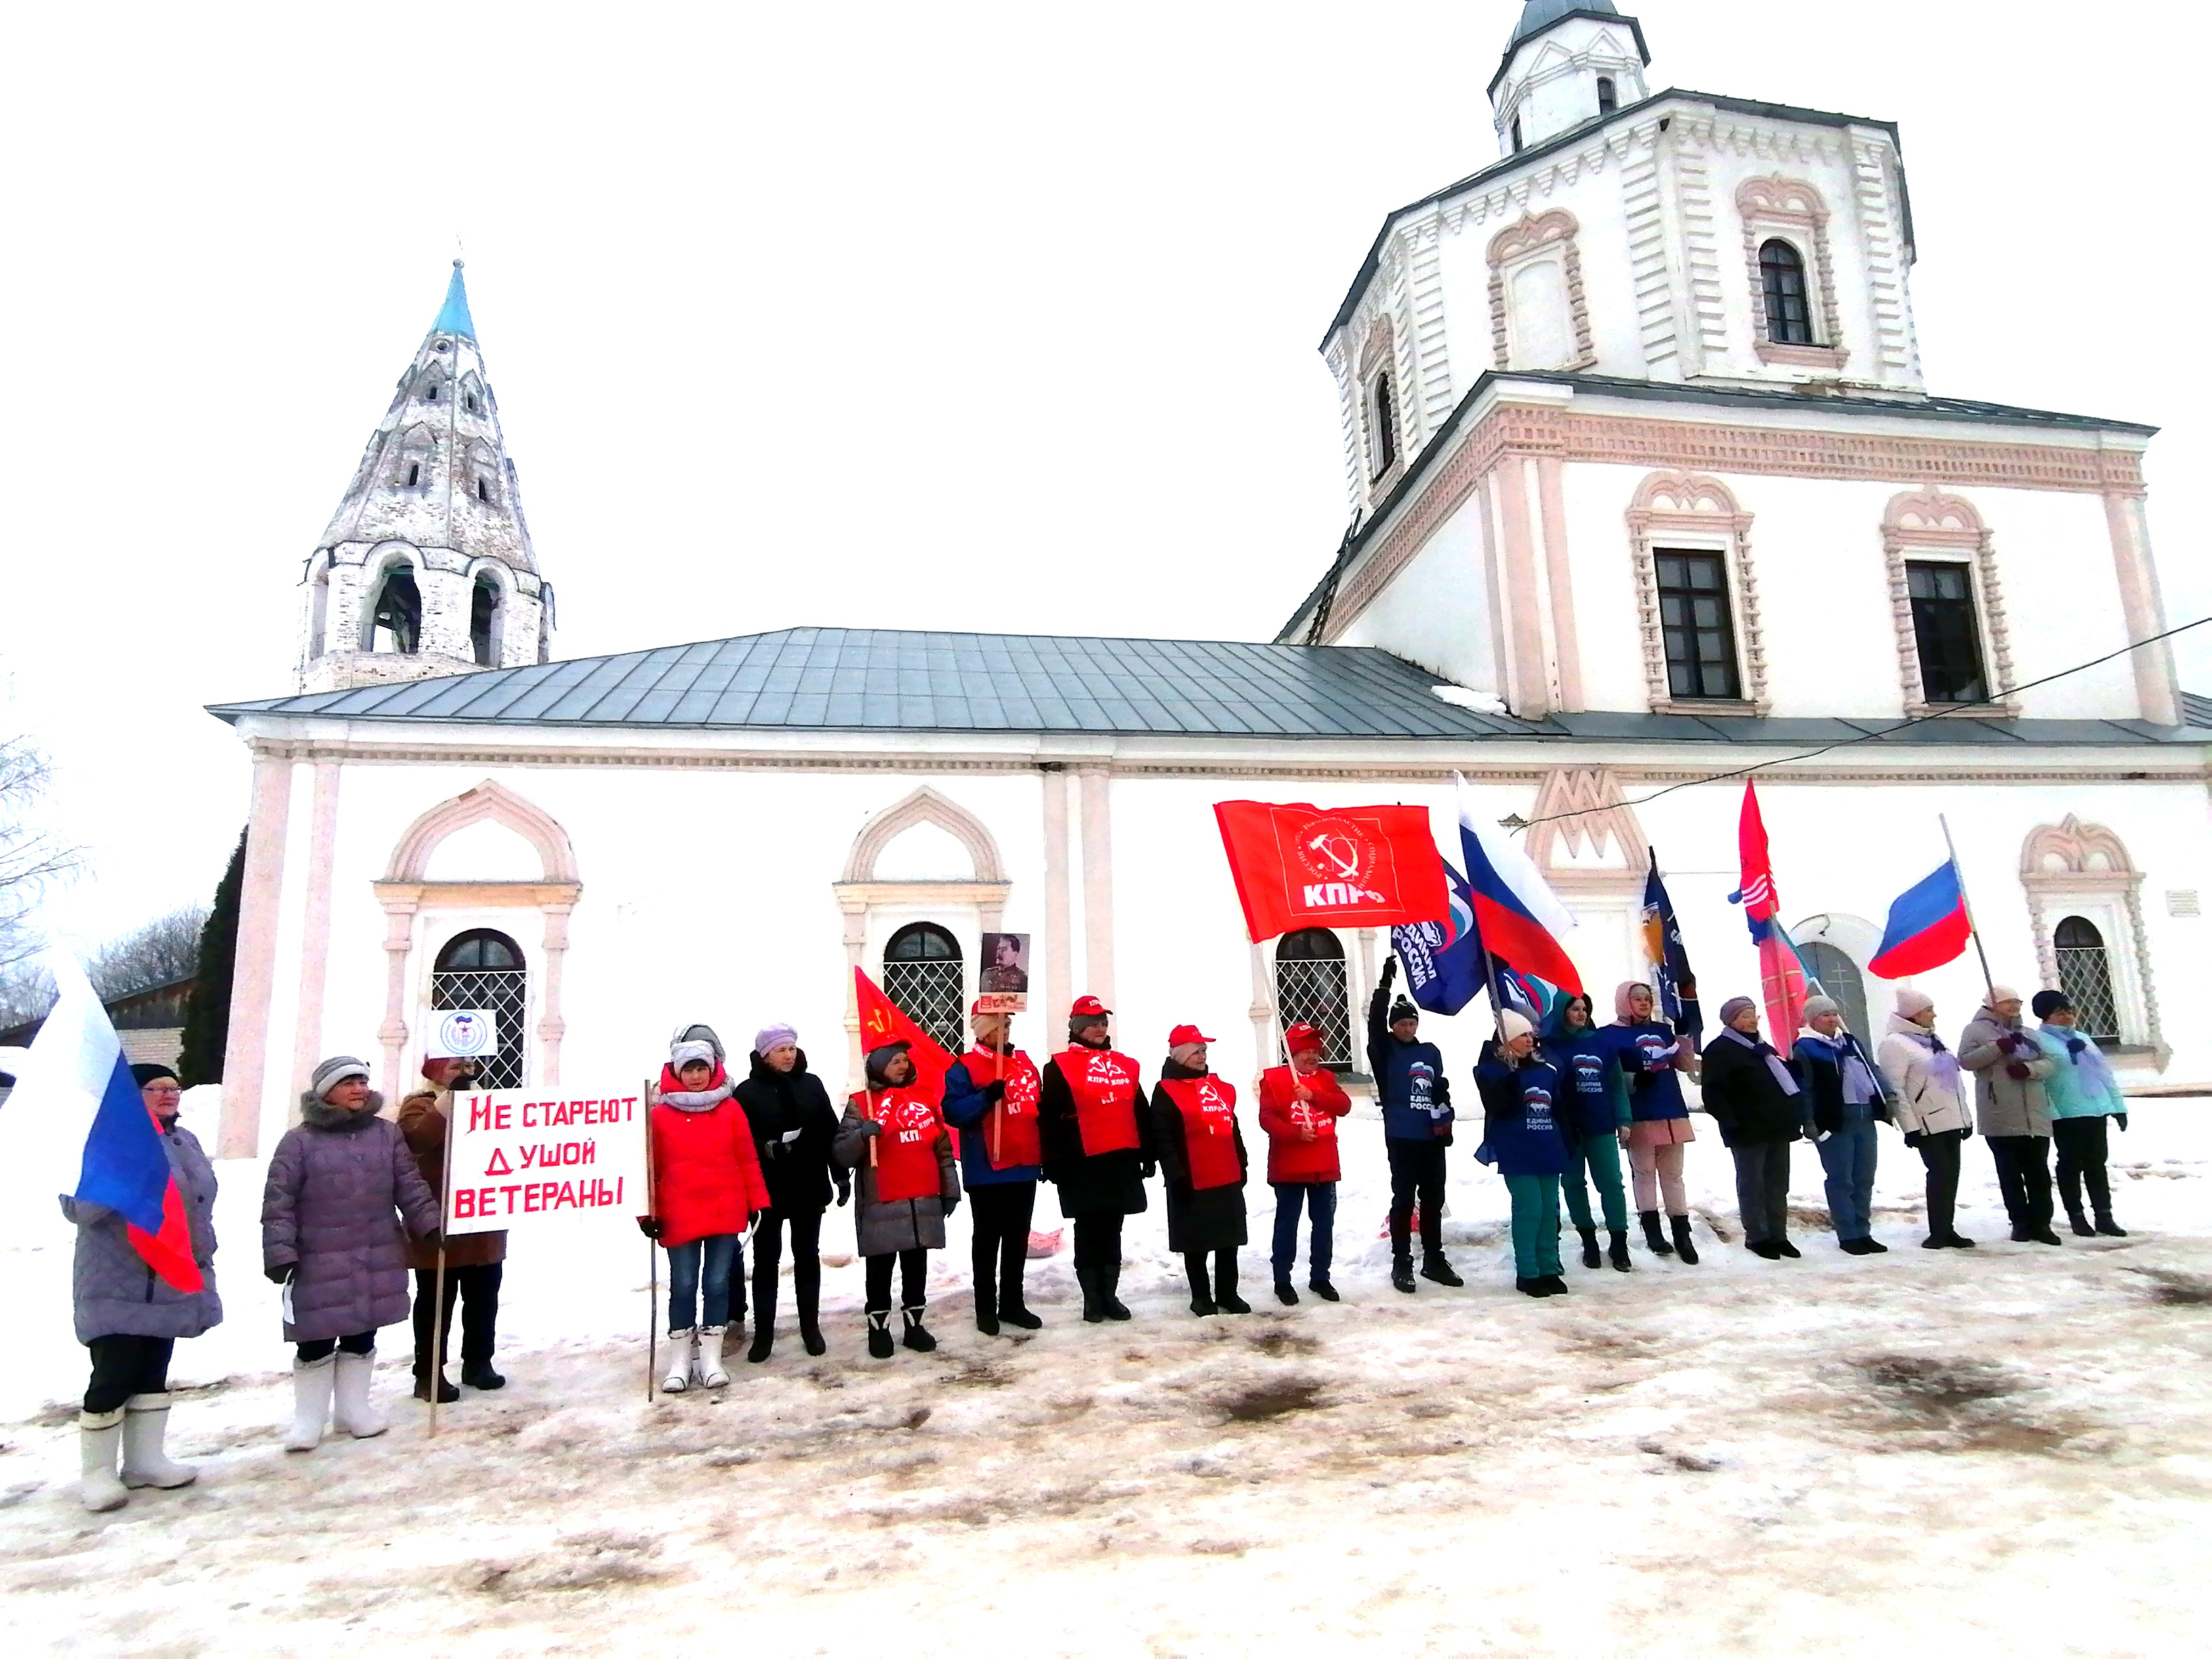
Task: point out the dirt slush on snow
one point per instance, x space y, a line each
1974 1451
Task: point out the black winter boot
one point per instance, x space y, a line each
446 1392
1012 1310
1094 1295
987 1307
1434 1266
1323 1289
810 1334
916 1337
1402 1273
880 1346
1224 1284
1591 1256
1201 1287
1530 1287
1654 1240
763 1342
2082 1227
1684 1246
2110 1228
479 1374
1285 1292
1619 1251
1110 1281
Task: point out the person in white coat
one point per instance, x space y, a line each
1930 1106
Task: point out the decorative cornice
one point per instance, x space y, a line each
410 858
1614 439
926 805
2061 853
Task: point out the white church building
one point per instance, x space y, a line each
1646 487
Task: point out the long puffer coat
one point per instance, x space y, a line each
1198 1218
115 1293
339 1184
906 1223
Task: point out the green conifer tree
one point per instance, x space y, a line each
207 1010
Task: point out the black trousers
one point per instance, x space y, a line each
914 1279
122 1366
2024 1176
805 1226
1762 1190
1940 1152
1097 1241
1417 1171
2083 1146
477 1290
324 1346
1002 1214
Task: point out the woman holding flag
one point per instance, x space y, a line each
991 1096
1522 1136
1593 1114
130 1317
1096 1142
894 1140
1651 1059
1203 1164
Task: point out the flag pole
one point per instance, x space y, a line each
1988 980
652 1260
436 1367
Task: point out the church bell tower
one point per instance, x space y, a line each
427 569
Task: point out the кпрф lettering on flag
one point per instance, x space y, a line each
1301 866
77 1083
1517 917
1782 976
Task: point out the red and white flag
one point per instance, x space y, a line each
1354 867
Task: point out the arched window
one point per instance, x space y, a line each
414 473
481 968
1517 145
922 977
2085 973
1312 988
1382 425
1840 978
487 614
1789 307
1608 96
394 621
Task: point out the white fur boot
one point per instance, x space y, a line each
682 1354
145 1423
707 1367
98 1435
352 1413
311 1402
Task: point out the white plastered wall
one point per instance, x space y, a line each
1438 610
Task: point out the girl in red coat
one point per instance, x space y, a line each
1299 1105
707 1187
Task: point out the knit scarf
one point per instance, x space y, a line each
673 1093
1941 1061
2096 1070
1774 1063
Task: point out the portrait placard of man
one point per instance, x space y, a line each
1006 962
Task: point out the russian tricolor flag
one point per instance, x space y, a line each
1928 928
1515 912
77 1074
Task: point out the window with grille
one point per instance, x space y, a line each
481 968
1695 623
1382 425
1788 307
1946 631
2085 973
1840 979
1312 987
922 978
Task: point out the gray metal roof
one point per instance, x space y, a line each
855 679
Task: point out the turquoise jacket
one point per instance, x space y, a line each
2082 1086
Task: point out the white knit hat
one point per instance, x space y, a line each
1515 1025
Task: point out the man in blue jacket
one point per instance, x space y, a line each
1417 1128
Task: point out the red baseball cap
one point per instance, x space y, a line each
1090 1008
1183 1034
1300 1037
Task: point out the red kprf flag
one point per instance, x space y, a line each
884 1021
1354 867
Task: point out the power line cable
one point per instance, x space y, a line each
1864 737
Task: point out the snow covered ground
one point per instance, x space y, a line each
1998 1451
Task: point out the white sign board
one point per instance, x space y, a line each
463 1033
530 1158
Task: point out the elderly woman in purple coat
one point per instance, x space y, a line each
341 1184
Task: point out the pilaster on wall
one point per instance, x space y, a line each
315 935
2156 688
245 1065
1059 956
1098 883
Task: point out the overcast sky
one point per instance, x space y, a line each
993 317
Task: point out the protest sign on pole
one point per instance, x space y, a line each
529 1158
463 1033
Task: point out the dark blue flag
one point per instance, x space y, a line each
1443 959
1669 960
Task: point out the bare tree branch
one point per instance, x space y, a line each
33 858
161 952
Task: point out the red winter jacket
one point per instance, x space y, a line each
706 1174
1291 1159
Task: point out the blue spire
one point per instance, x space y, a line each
454 316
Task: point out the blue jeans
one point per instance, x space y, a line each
1848 1156
715 1256
1291 1196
